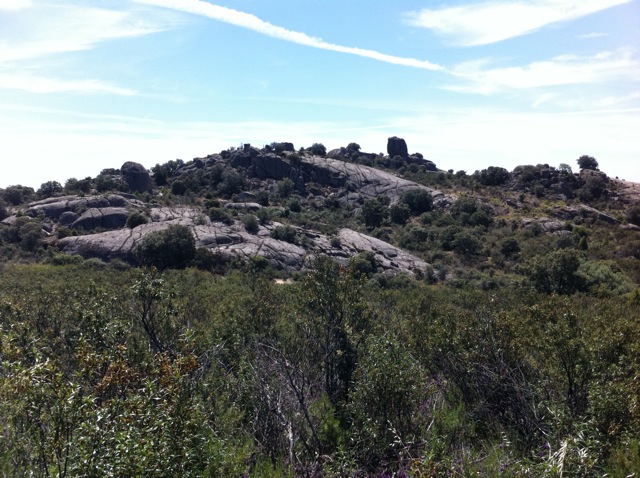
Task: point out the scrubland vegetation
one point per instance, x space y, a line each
516 352
182 373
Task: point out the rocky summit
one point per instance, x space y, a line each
394 214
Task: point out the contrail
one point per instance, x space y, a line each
251 22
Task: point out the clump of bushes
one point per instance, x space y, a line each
285 233
174 247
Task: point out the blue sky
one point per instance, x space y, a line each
469 84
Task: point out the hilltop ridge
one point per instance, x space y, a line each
393 213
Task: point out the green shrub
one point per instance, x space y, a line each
375 211
285 187
174 247
251 224
65 259
318 149
217 214
364 263
509 247
18 194
284 233
294 205
492 176
136 219
49 189
399 213
556 272
418 200
633 215
206 260
178 188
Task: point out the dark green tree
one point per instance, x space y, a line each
318 149
492 176
18 194
587 162
375 211
418 200
556 272
399 213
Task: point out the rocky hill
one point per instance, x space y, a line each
394 213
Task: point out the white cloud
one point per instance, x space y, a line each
58 29
14 5
36 84
494 21
251 22
561 70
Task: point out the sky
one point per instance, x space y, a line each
88 85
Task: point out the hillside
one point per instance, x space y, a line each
394 213
281 312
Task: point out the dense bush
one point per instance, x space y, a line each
48 189
318 149
492 176
218 214
174 247
418 200
18 194
285 233
136 219
587 162
633 215
251 224
375 211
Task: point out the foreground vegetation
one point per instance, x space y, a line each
135 372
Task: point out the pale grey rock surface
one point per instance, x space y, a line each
233 241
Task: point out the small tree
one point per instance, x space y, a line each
565 168
285 187
587 162
492 176
556 272
375 211
17 194
318 149
50 188
399 213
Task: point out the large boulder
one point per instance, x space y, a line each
137 177
53 208
397 147
107 218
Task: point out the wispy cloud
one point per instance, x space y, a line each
251 22
13 5
494 21
48 30
561 70
594 35
34 84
